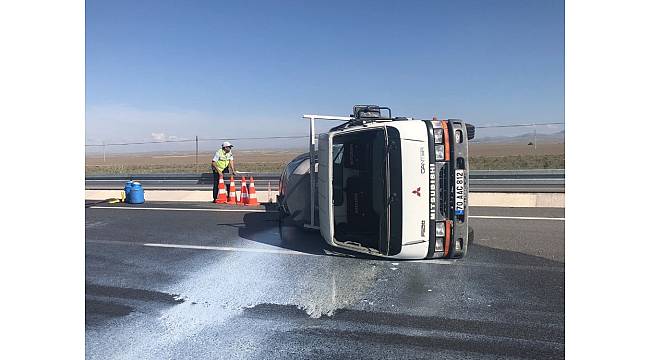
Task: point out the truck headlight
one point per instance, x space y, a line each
440 152
437 136
439 246
440 229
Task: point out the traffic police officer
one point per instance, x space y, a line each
222 162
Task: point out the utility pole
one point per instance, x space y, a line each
535 136
196 154
104 150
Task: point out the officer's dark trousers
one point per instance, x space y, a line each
215 182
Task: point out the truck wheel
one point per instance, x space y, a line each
470 235
282 212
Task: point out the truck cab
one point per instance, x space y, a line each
386 186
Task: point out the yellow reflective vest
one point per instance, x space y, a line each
222 159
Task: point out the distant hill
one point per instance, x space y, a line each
557 137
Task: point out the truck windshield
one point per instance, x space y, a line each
359 189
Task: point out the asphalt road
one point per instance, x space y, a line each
183 281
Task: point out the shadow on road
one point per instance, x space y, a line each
479 336
490 255
266 228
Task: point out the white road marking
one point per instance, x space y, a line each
225 248
273 211
201 247
179 209
291 252
515 217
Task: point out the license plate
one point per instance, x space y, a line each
459 192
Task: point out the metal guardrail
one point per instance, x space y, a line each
197 178
551 180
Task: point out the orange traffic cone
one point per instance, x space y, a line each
232 196
221 195
252 196
244 191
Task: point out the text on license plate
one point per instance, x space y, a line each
459 192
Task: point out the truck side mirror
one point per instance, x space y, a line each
470 131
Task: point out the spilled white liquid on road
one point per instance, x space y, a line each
225 286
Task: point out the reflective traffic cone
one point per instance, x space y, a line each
232 196
252 196
221 195
244 191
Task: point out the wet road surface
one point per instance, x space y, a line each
188 281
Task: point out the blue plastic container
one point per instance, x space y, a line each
135 194
127 187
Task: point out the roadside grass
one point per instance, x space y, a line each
510 162
516 162
256 167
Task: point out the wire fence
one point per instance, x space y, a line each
534 145
196 140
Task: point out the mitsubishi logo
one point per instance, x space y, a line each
416 192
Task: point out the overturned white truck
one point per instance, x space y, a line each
387 186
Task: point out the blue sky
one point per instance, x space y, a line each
176 69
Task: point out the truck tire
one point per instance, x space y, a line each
470 235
